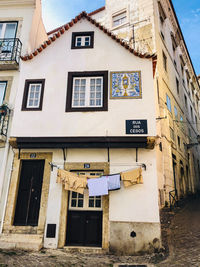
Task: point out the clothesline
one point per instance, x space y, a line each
98 186
142 165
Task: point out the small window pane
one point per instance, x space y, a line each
31 103
83 81
98 203
76 96
80 203
92 95
82 103
98 102
74 194
91 203
75 103
92 102
82 95
98 81
92 81
98 95
77 82
36 103
31 95
73 203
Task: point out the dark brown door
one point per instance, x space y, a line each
29 193
84 228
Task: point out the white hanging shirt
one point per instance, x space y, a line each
98 186
113 181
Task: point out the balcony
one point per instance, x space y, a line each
10 52
4 121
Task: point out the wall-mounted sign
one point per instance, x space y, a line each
86 166
136 127
125 85
33 155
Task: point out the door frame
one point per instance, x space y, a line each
8 226
94 166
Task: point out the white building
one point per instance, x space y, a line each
80 95
21 31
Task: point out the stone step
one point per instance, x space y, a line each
21 241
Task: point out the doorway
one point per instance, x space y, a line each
84 220
29 193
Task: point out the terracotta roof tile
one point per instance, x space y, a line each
97 11
67 26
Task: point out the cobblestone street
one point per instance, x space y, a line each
184 246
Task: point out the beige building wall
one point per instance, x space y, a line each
150 34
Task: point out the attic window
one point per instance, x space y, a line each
82 40
119 19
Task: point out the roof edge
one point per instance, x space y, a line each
97 11
67 26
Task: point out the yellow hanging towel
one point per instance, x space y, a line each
72 181
132 177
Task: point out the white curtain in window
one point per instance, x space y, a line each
2 92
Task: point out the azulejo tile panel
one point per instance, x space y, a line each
125 84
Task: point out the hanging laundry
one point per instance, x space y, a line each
113 181
98 187
72 181
132 177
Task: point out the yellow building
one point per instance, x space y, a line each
152 26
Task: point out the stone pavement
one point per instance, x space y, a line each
183 240
184 237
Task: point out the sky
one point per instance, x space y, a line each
59 12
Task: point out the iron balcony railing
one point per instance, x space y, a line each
4 120
10 49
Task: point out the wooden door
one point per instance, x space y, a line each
29 193
84 228
84 222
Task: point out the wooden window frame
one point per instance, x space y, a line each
71 76
82 34
26 91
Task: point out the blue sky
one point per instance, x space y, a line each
59 12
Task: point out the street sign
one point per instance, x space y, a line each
136 127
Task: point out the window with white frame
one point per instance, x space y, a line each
119 19
87 91
2 91
33 94
84 201
82 40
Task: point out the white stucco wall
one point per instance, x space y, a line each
138 203
53 65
